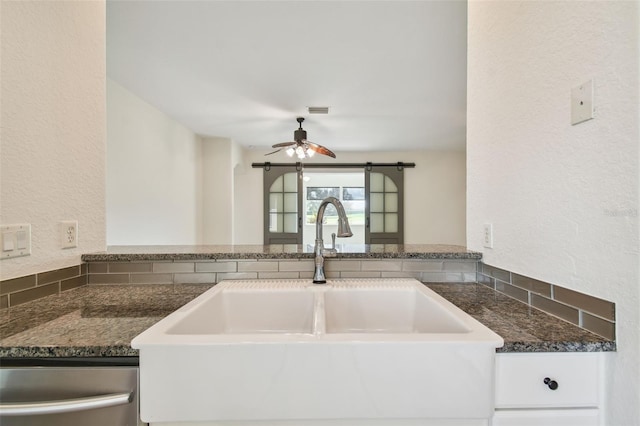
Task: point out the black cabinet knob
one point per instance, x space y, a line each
553 385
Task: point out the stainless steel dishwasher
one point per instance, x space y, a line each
69 396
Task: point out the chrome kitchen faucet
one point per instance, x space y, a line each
344 230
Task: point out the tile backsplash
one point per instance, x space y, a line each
588 312
213 271
591 313
31 287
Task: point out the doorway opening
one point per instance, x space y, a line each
349 188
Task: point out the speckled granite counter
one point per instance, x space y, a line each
89 321
523 328
279 251
101 320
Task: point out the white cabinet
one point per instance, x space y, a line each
548 389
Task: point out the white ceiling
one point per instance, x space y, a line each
393 73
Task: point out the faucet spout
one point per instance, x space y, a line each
344 230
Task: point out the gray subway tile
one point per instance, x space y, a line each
401 274
422 265
360 274
498 273
134 267
533 285
594 305
599 326
237 276
434 277
4 301
17 284
224 266
510 290
258 266
33 293
296 265
453 277
382 265
84 269
469 277
151 278
58 275
159 267
195 278
460 266
278 275
108 278
555 308
337 265
98 268
73 282
486 280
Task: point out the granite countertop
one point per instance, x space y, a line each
100 321
279 251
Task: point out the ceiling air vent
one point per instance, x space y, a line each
318 110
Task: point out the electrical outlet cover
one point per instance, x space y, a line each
69 233
582 103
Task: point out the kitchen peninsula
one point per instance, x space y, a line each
131 288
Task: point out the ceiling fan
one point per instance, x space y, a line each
300 145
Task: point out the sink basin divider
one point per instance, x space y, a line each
319 325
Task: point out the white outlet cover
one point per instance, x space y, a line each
582 103
69 233
488 235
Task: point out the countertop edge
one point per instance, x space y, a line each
133 257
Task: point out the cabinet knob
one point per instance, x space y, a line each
553 385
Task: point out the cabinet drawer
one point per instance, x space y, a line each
520 380
551 417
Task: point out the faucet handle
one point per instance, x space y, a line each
333 241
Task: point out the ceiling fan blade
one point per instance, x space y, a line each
273 152
320 149
283 144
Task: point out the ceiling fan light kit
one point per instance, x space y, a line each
300 146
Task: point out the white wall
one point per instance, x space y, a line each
53 128
153 174
434 194
218 190
563 199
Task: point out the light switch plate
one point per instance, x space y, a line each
582 103
16 240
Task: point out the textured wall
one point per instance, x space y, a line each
563 199
153 174
53 128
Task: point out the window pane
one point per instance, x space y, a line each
276 186
291 222
391 202
389 186
275 222
276 203
391 222
377 203
291 203
377 222
376 181
290 182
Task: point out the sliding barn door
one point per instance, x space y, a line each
282 205
384 212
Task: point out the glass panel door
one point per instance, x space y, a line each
384 207
282 206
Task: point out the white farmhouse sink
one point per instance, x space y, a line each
291 351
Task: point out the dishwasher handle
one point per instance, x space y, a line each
65 406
